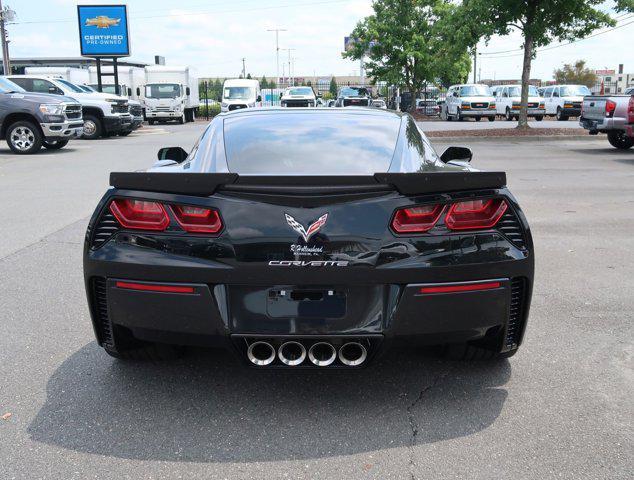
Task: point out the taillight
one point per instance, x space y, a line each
140 214
630 110
475 214
197 219
416 219
610 107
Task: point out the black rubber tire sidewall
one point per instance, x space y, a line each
98 127
56 145
38 137
619 140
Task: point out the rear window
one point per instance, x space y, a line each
310 144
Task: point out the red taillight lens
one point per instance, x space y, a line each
197 219
610 107
475 214
416 219
139 214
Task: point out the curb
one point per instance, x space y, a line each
525 138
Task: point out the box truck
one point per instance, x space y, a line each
170 93
71 74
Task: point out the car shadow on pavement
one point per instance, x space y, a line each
208 407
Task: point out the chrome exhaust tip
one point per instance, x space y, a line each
261 353
352 354
322 354
291 353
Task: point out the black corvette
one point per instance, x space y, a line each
312 238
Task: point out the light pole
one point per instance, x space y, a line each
277 51
289 50
244 69
6 15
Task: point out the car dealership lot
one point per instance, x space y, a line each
561 407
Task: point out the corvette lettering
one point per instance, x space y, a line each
307 263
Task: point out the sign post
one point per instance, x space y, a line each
104 32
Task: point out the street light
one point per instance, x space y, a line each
277 51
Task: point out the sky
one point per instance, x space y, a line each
214 35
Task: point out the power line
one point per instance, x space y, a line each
520 51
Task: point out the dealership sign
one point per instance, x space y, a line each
103 30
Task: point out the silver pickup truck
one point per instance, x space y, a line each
611 114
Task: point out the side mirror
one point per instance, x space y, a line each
176 154
462 154
138 92
259 99
187 91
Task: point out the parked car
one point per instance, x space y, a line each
103 114
338 234
29 121
629 91
428 107
379 103
469 101
610 114
239 93
134 106
564 101
353 97
298 97
509 100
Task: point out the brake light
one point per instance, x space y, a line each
197 219
630 110
140 214
610 107
416 219
475 214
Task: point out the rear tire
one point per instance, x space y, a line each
55 144
24 138
92 127
469 352
560 115
458 116
492 118
151 122
539 118
619 140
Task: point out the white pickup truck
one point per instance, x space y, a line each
103 114
611 114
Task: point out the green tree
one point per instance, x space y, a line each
540 23
576 73
264 82
333 87
409 43
248 76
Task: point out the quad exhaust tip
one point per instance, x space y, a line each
322 354
291 353
352 354
261 353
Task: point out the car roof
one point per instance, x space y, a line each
266 111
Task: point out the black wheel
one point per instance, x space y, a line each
467 351
539 118
151 122
55 144
492 118
148 352
92 127
181 120
560 115
458 116
507 115
618 139
477 119
126 133
24 138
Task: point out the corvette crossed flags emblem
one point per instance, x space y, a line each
312 229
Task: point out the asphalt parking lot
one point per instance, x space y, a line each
561 408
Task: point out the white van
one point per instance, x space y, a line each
565 101
238 93
469 100
509 99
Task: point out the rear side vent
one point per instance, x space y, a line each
100 305
516 316
511 228
105 228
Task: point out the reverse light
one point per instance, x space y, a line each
468 287
140 214
610 107
475 214
197 219
416 219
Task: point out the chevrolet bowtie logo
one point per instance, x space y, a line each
102 21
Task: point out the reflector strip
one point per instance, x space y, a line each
155 288
461 288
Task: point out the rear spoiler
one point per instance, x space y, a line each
205 184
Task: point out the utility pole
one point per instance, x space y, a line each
6 15
475 62
244 70
277 51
